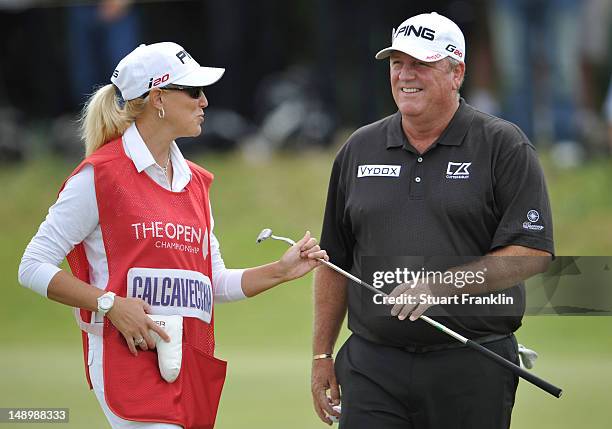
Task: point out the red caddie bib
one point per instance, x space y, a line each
158 249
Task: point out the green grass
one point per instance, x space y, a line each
582 207
267 340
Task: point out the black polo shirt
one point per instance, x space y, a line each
467 195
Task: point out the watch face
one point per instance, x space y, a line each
106 302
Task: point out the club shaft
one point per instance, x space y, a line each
517 370
350 276
289 241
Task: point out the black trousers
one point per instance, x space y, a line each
387 387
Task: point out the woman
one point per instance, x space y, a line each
135 224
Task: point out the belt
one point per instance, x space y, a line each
449 346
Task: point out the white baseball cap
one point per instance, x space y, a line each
428 37
158 65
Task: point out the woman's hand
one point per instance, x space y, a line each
129 316
297 261
301 258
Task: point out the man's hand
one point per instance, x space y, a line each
411 304
323 379
502 273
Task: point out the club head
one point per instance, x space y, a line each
527 356
264 235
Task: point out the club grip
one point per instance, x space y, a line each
523 373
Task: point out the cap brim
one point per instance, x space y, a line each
202 76
414 51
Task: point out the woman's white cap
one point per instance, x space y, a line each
158 65
428 37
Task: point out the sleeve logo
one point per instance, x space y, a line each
532 217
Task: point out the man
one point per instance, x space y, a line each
437 178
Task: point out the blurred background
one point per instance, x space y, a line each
301 76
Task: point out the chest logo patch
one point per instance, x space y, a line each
378 170
458 170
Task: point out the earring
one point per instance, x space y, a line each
161 113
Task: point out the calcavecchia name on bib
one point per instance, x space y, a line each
185 238
172 291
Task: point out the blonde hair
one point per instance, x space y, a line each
103 119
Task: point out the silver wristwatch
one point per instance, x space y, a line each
105 302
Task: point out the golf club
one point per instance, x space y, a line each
521 372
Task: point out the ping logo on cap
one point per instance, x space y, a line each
427 37
160 64
423 32
182 55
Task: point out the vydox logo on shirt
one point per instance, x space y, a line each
170 291
378 170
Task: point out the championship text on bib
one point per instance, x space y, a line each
169 291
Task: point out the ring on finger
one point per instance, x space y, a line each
139 341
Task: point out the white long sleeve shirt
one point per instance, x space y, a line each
74 219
